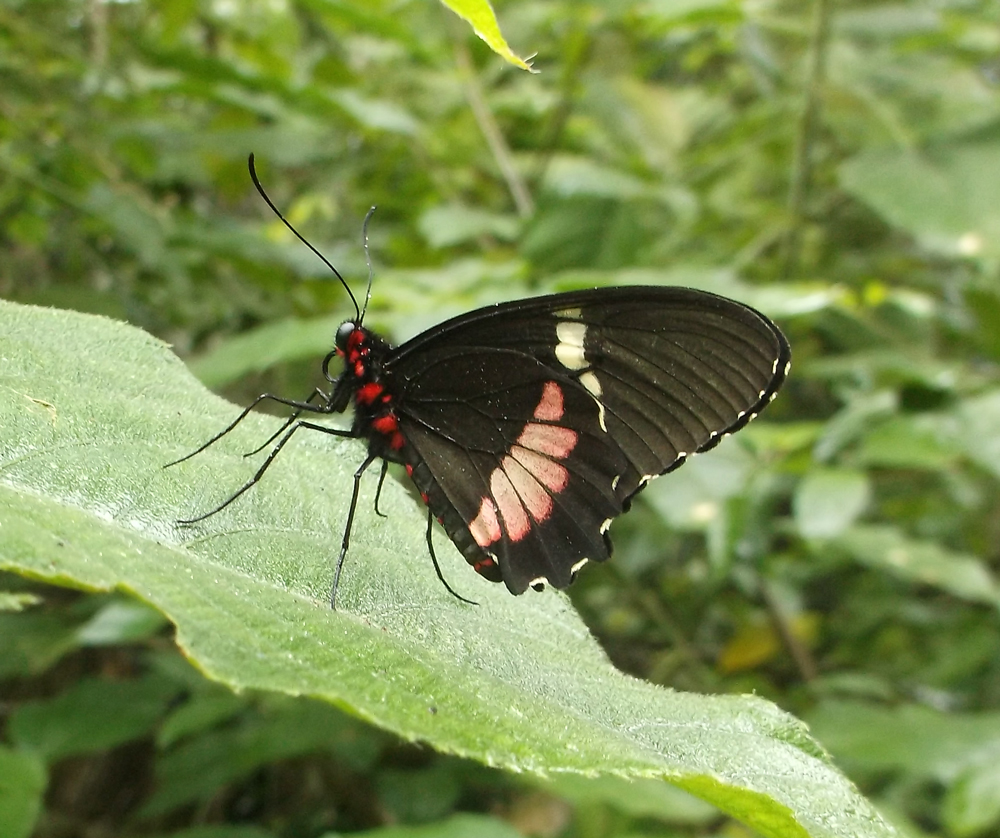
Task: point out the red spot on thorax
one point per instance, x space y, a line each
369 392
385 424
355 338
359 369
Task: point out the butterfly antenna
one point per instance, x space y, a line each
368 260
285 221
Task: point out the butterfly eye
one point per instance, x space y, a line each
344 332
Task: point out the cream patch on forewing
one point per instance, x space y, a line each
569 350
569 314
593 386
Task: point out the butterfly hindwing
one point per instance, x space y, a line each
535 422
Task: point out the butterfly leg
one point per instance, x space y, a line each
320 408
299 406
378 491
350 523
437 567
264 466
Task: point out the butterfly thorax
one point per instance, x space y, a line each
363 353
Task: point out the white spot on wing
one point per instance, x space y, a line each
593 386
578 565
606 525
569 350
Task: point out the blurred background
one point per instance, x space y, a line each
836 165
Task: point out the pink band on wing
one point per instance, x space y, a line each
515 519
485 527
532 493
548 439
550 408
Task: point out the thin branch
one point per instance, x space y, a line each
494 137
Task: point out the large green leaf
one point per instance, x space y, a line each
92 409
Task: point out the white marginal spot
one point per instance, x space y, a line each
578 565
616 481
570 314
645 479
569 350
538 582
605 526
593 386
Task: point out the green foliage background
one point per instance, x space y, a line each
835 165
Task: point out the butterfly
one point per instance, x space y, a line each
527 427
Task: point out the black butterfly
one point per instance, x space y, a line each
529 426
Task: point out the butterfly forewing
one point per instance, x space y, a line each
533 423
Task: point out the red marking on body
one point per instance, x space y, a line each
385 424
387 398
482 565
424 498
340 352
551 475
515 519
369 392
548 439
536 500
359 369
355 338
409 470
550 408
397 442
485 528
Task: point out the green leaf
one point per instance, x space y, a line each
909 738
459 826
972 804
828 501
946 196
22 782
92 715
258 349
92 409
480 15
924 562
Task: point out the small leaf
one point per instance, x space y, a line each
924 562
93 715
22 782
480 15
972 804
828 501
